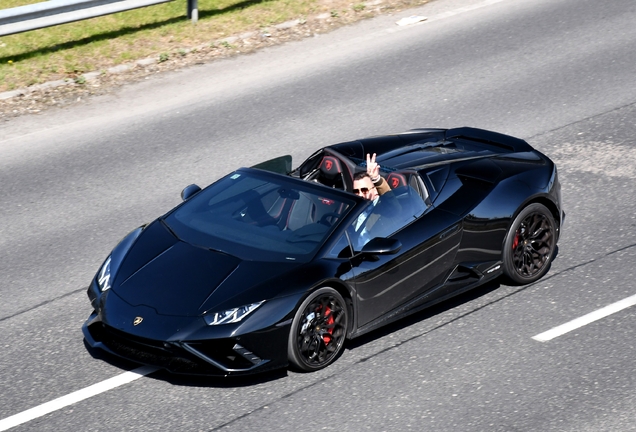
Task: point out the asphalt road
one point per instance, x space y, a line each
559 73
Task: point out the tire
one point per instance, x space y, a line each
530 244
318 331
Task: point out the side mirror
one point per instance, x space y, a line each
381 246
189 191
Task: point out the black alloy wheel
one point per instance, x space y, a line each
318 330
530 244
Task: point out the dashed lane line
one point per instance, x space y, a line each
74 397
585 319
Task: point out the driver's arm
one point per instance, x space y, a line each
381 185
373 169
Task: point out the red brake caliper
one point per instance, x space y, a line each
330 320
515 242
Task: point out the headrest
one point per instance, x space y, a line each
330 167
396 180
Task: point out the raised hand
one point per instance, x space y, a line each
373 169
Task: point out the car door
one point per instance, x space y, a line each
384 283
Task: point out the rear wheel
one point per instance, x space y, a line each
318 330
530 244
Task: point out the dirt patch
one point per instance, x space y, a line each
78 89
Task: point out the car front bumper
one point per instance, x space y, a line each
251 353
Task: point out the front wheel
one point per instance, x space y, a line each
529 245
318 330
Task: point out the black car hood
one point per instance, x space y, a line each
179 279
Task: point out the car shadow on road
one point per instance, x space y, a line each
445 306
424 314
220 382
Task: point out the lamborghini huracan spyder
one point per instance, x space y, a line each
269 266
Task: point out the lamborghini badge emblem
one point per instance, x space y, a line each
137 320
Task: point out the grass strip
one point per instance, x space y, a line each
69 50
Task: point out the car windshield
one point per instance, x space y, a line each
259 216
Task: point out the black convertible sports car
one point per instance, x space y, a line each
269 267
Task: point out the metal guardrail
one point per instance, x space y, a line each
53 12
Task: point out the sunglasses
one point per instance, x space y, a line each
363 190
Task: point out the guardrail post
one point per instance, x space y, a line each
193 10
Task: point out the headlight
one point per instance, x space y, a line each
231 316
103 276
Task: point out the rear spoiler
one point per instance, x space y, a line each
488 137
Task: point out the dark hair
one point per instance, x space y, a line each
360 175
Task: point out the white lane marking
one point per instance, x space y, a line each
461 10
74 397
586 319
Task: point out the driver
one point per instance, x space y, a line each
370 185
